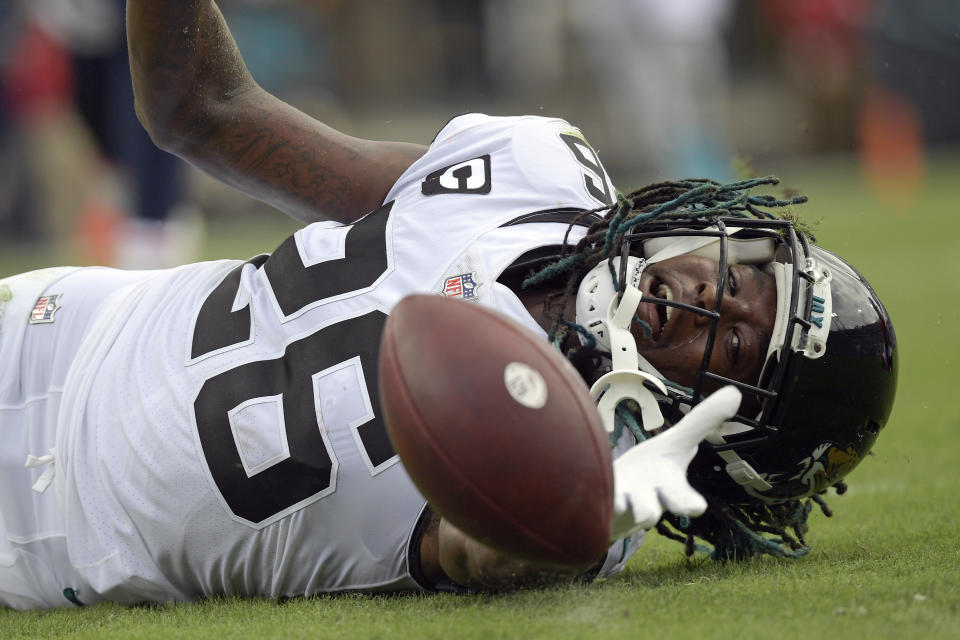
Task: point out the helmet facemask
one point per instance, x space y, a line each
801 329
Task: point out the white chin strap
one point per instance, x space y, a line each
625 381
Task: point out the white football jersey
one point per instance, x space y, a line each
220 431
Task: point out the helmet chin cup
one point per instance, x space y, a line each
596 291
616 386
625 381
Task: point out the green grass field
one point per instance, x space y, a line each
886 566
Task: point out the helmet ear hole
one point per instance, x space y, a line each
873 427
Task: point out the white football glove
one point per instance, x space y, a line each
652 476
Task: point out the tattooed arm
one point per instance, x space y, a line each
197 100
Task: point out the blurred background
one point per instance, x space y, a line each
864 89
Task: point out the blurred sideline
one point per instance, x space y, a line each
662 88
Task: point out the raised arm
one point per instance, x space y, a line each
197 100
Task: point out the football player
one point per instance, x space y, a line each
215 429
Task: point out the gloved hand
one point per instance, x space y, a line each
652 476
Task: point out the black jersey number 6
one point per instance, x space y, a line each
309 471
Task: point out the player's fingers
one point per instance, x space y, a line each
704 418
682 499
646 508
719 406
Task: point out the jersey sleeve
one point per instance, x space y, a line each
529 163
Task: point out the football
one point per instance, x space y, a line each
497 430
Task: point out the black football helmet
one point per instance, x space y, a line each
828 383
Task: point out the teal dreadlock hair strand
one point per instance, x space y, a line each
626 418
737 532
730 531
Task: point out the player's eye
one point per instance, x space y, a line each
732 284
735 342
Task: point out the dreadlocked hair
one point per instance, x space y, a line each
742 531
729 531
737 532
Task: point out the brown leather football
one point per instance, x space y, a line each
497 430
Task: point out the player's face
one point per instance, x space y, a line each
679 337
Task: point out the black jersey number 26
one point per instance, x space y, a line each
309 471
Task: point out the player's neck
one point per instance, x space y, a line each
534 301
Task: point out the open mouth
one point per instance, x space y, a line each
660 314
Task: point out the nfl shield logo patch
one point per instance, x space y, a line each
461 286
45 308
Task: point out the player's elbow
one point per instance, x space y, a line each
179 123
158 125
176 126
